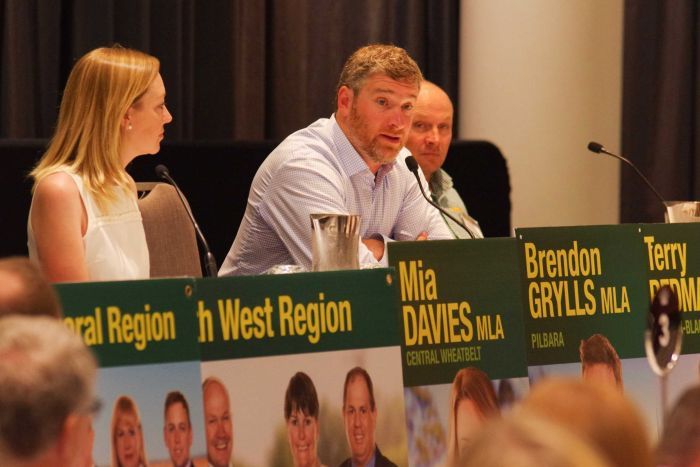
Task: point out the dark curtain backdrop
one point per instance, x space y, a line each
661 105
233 69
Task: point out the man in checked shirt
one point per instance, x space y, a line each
350 163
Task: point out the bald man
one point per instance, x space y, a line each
429 140
218 421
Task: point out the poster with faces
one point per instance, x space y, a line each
302 369
144 335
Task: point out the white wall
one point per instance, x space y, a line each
540 79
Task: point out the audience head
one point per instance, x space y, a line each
599 361
112 110
177 428
529 441
431 130
472 401
47 393
128 448
359 414
218 421
597 413
679 445
24 289
301 414
376 93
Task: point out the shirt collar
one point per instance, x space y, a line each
440 182
372 460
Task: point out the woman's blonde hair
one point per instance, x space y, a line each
102 86
125 405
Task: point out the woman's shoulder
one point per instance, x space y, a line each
56 198
58 184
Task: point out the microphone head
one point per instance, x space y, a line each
162 171
412 164
595 147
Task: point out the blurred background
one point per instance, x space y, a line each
540 79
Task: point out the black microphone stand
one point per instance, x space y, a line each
209 260
599 148
413 167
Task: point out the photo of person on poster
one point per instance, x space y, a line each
600 362
258 397
472 401
218 421
177 429
360 416
128 448
301 411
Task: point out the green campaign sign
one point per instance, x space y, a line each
460 305
295 313
260 335
578 281
672 257
149 321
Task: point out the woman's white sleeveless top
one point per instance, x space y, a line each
115 242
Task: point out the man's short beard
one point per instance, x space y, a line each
358 128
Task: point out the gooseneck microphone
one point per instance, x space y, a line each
210 262
413 167
600 149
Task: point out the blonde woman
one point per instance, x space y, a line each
128 449
84 223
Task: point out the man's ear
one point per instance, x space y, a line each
68 443
345 98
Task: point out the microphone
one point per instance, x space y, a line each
413 167
599 148
210 262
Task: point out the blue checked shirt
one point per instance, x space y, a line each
317 170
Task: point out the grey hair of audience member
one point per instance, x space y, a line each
680 442
24 290
46 375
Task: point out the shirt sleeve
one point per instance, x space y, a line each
308 182
301 187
